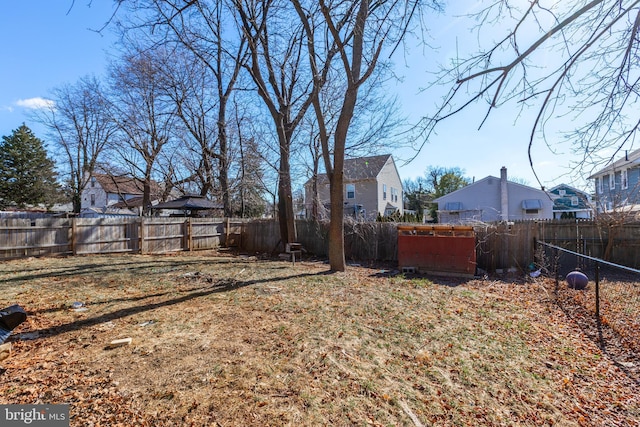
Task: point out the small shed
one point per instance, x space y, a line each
437 249
189 204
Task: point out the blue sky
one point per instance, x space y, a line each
49 43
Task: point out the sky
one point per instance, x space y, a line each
46 44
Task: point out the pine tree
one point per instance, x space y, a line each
27 175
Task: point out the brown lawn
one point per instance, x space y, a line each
222 340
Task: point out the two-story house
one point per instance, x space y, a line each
372 186
494 199
118 192
617 185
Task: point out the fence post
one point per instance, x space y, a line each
74 232
597 292
226 232
141 235
189 236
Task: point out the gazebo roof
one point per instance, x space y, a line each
189 202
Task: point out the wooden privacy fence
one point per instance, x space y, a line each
498 246
48 236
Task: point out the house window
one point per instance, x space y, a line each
93 182
562 193
93 200
612 181
574 201
351 191
624 182
384 191
600 185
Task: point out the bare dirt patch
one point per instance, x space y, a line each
228 340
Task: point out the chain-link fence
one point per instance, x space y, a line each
607 309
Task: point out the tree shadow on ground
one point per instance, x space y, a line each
224 285
168 264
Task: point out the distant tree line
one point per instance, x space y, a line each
232 99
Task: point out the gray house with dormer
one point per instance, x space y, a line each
617 185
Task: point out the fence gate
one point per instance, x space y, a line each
438 249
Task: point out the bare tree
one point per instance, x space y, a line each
80 124
355 33
201 28
573 60
276 42
143 112
373 129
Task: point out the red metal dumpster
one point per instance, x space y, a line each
437 249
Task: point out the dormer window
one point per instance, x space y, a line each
93 182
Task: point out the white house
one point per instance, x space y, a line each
372 186
109 192
494 199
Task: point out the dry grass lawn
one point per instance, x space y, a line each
223 340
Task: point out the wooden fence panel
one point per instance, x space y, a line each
206 233
14 237
499 245
261 236
314 236
163 235
23 237
54 236
105 235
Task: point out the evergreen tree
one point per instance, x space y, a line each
27 175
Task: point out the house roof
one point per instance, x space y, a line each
189 202
466 188
630 159
125 185
569 188
133 202
359 168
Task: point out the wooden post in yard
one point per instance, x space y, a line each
189 236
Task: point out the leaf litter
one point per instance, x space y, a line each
248 341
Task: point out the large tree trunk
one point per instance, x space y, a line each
223 164
336 226
285 199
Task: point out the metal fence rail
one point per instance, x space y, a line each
609 307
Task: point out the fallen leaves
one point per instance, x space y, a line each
225 341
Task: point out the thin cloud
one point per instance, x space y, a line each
35 103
